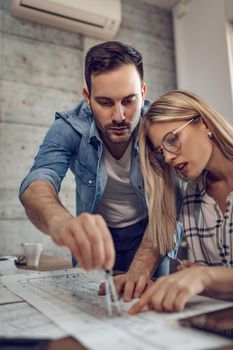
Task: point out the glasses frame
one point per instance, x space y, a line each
160 149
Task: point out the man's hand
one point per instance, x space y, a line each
129 285
88 238
86 235
134 283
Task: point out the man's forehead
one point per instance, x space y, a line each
123 77
114 97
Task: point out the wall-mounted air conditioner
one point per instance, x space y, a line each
95 18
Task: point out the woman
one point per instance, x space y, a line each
181 135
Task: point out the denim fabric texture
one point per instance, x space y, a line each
73 141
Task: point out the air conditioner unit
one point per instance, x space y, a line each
95 18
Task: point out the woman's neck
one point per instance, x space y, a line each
219 168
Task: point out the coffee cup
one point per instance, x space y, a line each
32 253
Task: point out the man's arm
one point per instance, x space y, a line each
42 205
133 283
87 236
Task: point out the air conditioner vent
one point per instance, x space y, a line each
100 18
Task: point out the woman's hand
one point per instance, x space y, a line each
171 293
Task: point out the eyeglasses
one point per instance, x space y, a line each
170 142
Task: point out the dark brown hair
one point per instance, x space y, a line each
108 56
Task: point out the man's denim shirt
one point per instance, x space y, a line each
73 142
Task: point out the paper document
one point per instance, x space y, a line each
6 296
69 298
8 267
23 321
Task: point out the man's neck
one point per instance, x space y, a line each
117 149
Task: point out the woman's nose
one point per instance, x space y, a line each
169 156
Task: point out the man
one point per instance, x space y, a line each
98 142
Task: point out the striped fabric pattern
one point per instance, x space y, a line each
208 231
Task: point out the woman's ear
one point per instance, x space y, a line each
202 123
205 127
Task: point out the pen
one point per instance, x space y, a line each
179 261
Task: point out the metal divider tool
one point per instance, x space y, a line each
111 294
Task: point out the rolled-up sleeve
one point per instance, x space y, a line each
53 158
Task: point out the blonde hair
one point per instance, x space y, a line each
176 105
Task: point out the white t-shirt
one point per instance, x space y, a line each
119 204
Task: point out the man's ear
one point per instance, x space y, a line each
144 91
86 96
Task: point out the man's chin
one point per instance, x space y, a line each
118 139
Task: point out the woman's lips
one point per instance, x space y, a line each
182 167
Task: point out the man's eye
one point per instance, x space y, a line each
129 101
106 103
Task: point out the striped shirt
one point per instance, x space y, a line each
208 231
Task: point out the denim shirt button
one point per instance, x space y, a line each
90 182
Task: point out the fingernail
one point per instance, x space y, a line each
108 265
131 311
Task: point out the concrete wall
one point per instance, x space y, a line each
41 72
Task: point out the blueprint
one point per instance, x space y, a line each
69 298
20 320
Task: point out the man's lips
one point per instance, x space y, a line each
118 129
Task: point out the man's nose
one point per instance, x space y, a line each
118 113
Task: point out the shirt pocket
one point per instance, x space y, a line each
85 184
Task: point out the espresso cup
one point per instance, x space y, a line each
32 253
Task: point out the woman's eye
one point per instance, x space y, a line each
172 141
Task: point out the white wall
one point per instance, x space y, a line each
202 51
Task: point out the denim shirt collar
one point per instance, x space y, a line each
83 112
94 132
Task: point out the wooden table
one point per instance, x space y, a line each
49 263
